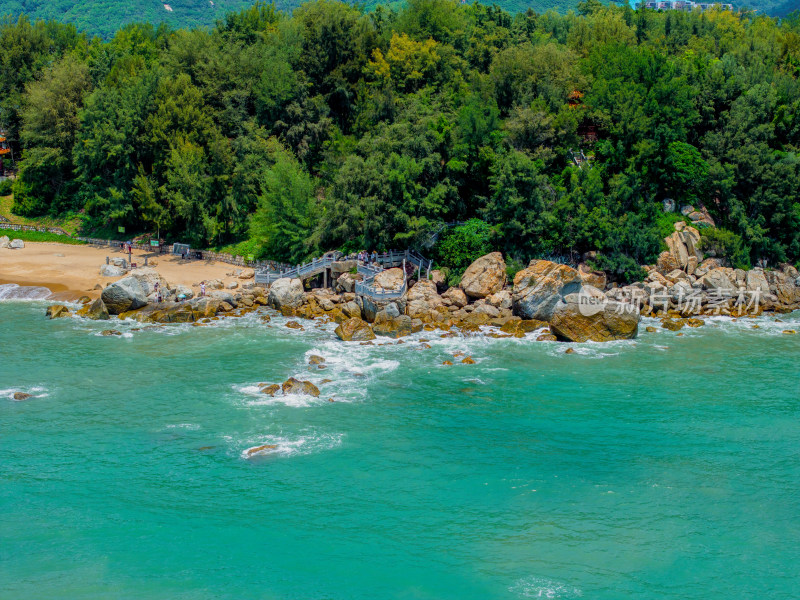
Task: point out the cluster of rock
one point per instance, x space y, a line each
15 244
684 284
543 295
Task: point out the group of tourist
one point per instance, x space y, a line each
367 257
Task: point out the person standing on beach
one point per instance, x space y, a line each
202 288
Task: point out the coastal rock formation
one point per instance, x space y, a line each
16 244
575 320
485 276
396 327
96 311
57 311
18 396
347 282
295 386
540 287
683 249
286 292
354 330
124 295
455 297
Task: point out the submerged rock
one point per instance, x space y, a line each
57 311
271 389
21 396
109 332
295 386
260 449
95 311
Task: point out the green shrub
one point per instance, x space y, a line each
5 187
459 247
666 225
513 266
620 267
726 244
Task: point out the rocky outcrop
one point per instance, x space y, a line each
354 330
540 287
485 276
16 244
576 319
124 295
287 293
96 311
455 297
591 277
397 327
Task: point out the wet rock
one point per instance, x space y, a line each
260 449
485 276
569 351
21 396
271 389
295 386
315 360
355 330
789 331
651 329
547 337
110 332
468 361
448 363
294 325
57 311
695 322
395 328
673 325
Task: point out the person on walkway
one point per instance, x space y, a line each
202 288
374 256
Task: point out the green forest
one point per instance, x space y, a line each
340 128
105 17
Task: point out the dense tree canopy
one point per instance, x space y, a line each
340 128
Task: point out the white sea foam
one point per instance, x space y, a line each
187 426
34 391
280 446
540 587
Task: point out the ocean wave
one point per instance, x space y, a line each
11 292
291 400
540 587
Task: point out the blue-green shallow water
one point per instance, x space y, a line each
668 467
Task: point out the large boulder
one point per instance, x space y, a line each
5 242
756 281
683 246
485 276
147 278
111 271
423 299
390 280
96 311
355 330
784 286
591 277
540 287
16 244
342 266
286 292
124 295
588 316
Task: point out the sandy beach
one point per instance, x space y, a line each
71 270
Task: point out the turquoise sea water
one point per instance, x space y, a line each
667 467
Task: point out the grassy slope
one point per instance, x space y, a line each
70 225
